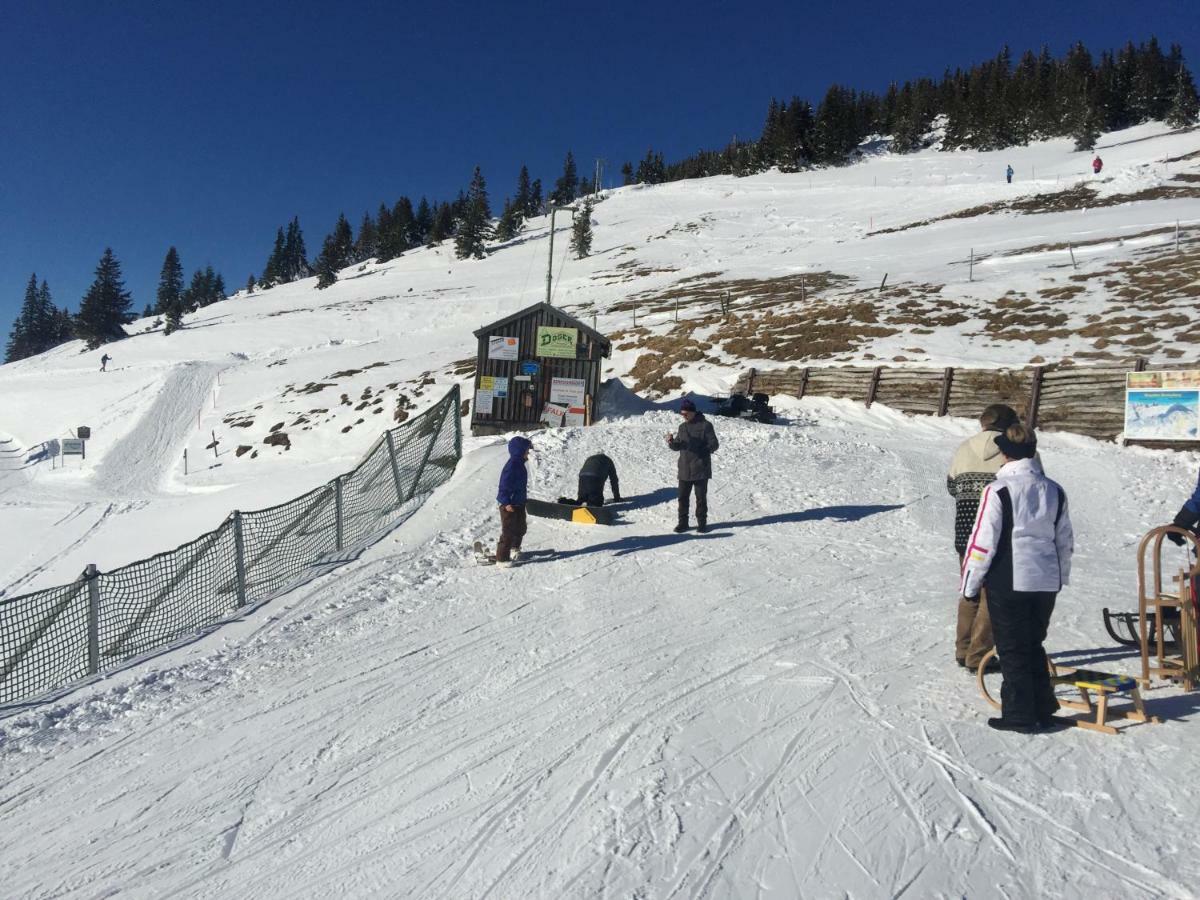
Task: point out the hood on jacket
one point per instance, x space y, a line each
518 445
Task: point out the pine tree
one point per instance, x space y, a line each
535 198
170 292
148 312
327 267
250 284
1184 104
581 230
218 288
367 245
442 225
64 326
1086 128
105 306
423 222
294 261
24 338
273 270
522 203
627 174
509 225
474 228
343 238
404 222
565 187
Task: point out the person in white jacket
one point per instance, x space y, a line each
1020 550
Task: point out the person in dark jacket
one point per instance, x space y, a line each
1009 174
597 469
695 442
514 482
1188 517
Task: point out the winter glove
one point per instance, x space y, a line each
1183 519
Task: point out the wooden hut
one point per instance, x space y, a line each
537 368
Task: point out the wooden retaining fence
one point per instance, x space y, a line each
1086 400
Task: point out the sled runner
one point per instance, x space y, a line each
1097 714
582 515
1122 627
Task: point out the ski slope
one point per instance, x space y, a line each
769 710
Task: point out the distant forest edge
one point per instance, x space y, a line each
990 106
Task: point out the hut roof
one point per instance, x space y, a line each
595 336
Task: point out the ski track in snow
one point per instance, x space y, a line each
771 710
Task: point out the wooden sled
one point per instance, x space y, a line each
1178 660
580 515
1095 715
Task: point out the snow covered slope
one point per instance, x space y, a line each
801 257
770 710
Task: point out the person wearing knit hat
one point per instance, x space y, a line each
1020 550
974 467
695 442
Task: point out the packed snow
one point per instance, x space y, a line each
770 710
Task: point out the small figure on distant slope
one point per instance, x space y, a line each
1008 173
104 362
1097 165
695 442
514 482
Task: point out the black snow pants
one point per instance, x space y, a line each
685 501
1020 620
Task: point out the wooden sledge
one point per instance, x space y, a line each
1178 660
1096 715
580 515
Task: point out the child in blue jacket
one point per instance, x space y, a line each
1188 516
514 481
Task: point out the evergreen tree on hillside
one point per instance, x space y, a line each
565 187
33 330
1184 105
404 224
523 202
581 230
273 270
367 245
474 227
441 225
423 221
295 256
509 225
169 296
1086 128
536 202
64 322
250 282
327 267
105 306
627 174
343 239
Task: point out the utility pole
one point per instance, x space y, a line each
550 262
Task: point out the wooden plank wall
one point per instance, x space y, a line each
1086 400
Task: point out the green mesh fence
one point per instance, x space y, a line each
55 636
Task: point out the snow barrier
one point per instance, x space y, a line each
52 637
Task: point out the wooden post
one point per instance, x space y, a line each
803 384
883 283
93 619
1139 365
947 380
214 443
873 387
1035 396
750 384
676 309
803 288
239 558
185 460
1176 235
1072 252
635 317
971 270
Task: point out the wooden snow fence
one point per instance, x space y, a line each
1086 400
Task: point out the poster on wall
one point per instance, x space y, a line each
553 414
567 391
500 347
483 402
576 415
1162 406
497 384
556 342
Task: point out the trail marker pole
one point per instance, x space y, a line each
883 283
677 309
214 444
185 461
1176 235
971 270
1072 252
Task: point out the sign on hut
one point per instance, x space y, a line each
537 368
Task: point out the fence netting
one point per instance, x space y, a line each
58 635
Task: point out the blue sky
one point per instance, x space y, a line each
206 125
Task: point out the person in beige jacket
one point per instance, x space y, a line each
973 468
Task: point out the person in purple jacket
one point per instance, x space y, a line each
1188 516
514 481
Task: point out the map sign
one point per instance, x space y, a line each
500 347
557 342
1162 406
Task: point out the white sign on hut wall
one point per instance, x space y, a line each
500 347
568 391
483 402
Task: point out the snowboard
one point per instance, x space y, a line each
586 515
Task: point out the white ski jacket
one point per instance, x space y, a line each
1022 539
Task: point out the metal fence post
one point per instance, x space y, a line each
391 445
239 558
456 402
1035 395
93 620
337 510
873 387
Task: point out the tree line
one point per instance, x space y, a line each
992 105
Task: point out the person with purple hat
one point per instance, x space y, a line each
695 442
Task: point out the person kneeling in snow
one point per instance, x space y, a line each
1020 550
514 482
597 469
